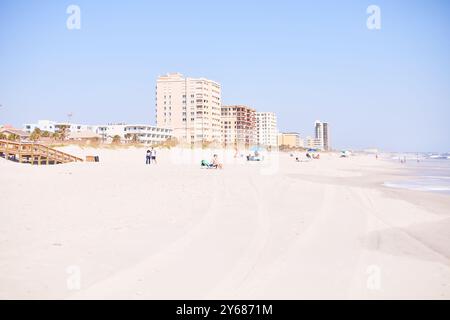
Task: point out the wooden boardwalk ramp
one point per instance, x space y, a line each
34 153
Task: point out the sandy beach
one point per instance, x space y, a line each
276 229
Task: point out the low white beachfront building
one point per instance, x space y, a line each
54 126
314 143
147 134
143 133
43 125
109 131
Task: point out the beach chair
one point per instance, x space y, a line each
206 165
255 157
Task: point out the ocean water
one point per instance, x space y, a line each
427 172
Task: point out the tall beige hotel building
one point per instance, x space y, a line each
191 107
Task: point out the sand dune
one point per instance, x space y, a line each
271 230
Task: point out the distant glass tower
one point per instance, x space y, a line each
322 134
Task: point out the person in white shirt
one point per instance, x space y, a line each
153 154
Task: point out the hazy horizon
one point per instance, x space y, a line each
386 89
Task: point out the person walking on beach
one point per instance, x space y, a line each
148 157
153 154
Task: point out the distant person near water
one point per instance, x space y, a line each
214 164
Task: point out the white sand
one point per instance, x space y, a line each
272 230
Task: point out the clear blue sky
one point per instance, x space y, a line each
303 60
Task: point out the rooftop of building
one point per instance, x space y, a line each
176 76
265 113
237 106
12 130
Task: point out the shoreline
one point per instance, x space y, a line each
428 175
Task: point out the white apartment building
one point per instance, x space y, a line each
44 125
109 131
322 135
72 127
147 134
313 143
54 126
190 107
266 129
141 133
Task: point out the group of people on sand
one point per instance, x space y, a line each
309 156
150 156
214 164
312 156
254 157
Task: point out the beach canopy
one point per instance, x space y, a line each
312 150
258 149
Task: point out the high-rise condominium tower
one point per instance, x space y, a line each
266 129
322 134
238 126
190 107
